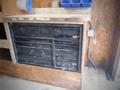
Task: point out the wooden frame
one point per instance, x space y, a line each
10 42
3 42
70 80
42 19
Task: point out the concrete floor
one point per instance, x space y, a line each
9 83
93 79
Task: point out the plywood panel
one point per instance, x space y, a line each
104 21
59 78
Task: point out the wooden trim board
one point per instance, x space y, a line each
61 10
38 17
59 78
84 50
84 45
7 30
65 79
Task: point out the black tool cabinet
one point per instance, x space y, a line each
50 45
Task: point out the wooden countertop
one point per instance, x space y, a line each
81 14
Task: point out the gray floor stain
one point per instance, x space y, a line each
9 83
95 79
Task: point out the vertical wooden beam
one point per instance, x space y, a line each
84 50
10 42
84 46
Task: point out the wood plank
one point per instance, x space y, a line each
84 46
55 77
49 17
61 11
79 15
10 42
4 44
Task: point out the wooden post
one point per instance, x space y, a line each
10 42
